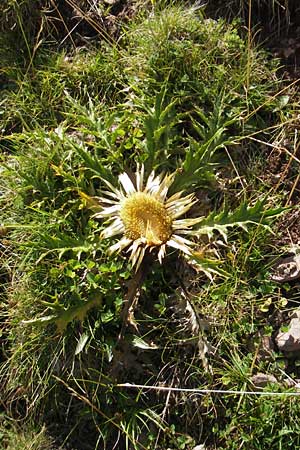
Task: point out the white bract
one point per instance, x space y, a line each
145 217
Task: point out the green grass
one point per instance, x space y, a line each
24 438
177 92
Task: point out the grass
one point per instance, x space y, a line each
179 93
18 438
267 17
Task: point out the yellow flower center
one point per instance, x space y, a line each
146 217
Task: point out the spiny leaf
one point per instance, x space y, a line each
200 158
77 250
200 162
241 217
92 163
60 243
63 316
158 122
209 267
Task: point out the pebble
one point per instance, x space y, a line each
289 341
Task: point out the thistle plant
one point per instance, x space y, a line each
145 217
149 221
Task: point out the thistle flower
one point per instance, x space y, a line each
145 217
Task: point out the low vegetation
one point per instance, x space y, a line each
186 300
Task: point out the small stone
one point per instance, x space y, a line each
265 349
289 341
262 379
286 269
290 383
296 314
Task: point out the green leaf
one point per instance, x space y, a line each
92 163
61 243
158 123
281 102
208 266
243 216
197 168
63 316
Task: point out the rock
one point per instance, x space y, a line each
289 341
111 2
262 379
265 348
296 314
290 383
286 269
